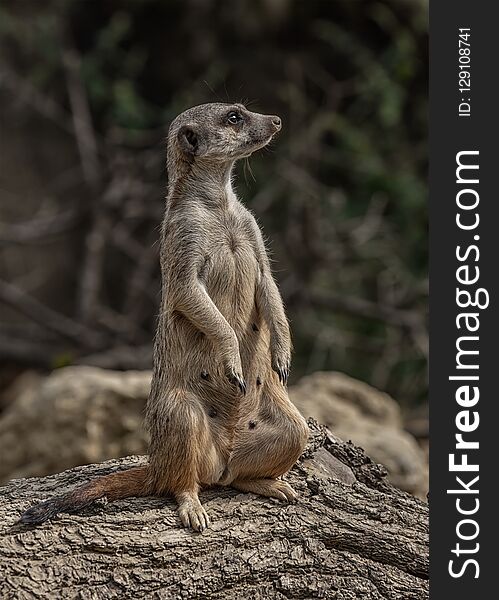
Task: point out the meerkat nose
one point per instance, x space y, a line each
276 122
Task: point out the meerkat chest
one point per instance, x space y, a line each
231 263
229 237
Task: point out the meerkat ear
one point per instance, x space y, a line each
190 140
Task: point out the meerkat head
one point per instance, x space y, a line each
220 133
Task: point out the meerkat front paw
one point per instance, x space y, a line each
233 372
237 380
281 365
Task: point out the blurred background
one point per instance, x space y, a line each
87 91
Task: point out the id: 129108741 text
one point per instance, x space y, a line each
464 65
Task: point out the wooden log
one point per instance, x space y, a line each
350 535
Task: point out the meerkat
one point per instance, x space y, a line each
218 412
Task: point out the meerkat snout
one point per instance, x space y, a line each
276 122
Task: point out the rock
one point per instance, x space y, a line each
417 422
371 419
353 538
75 416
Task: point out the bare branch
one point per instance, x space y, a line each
25 351
52 320
24 92
38 230
120 357
360 307
82 120
91 276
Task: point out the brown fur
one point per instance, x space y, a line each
218 412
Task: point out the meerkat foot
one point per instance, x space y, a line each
191 512
272 488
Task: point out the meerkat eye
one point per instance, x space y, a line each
234 117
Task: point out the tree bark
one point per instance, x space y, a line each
350 535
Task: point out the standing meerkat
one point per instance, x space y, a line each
218 412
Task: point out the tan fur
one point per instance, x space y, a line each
218 412
221 320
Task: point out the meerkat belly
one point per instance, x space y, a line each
230 276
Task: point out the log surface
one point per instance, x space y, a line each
350 535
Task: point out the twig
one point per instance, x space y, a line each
364 308
91 276
39 229
120 357
24 92
82 120
40 354
52 320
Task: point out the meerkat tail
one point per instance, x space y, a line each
123 484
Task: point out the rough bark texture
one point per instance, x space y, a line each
351 535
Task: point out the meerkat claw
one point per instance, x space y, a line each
238 381
282 373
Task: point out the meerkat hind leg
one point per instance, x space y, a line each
272 488
191 511
265 450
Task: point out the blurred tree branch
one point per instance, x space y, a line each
56 322
343 197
